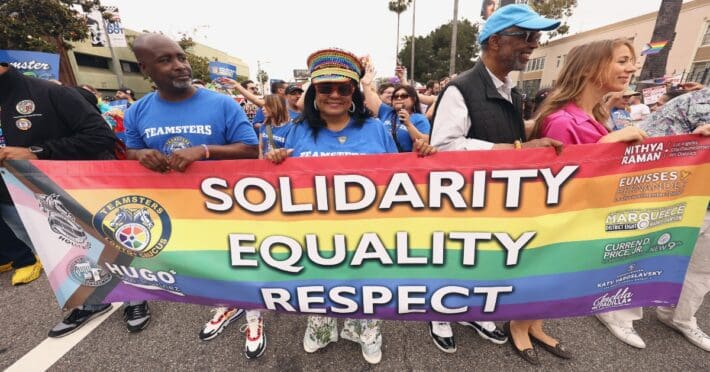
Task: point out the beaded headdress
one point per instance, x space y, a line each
334 65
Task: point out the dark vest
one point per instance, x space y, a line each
493 118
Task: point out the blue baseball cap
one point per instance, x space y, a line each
515 15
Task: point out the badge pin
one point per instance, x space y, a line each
23 124
25 107
342 139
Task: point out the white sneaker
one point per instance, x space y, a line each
221 318
255 337
695 336
371 345
320 331
365 332
625 334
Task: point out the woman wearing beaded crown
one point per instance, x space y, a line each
336 122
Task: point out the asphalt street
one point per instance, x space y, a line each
170 343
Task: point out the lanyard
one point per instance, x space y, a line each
270 135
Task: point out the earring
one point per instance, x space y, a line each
352 107
315 106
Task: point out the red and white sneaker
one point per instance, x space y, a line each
255 340
222 317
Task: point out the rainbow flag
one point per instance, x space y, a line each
653 48
486 235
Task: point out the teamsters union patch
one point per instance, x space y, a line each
136 225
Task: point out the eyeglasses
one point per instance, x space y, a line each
344 89
400 96
530 36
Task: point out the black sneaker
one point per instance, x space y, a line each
77 318
488 331
137 317
443 337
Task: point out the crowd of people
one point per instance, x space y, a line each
342 112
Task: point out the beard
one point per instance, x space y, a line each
181 84
515 63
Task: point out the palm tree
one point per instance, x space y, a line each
398 6
655 65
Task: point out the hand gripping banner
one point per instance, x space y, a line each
484 235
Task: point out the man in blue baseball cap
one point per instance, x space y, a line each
480 110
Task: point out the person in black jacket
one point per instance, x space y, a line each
42 120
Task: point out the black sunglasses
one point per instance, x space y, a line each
530 36
344 89
400 96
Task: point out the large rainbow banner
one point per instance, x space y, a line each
485 235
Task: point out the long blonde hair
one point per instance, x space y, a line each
586 64
277 108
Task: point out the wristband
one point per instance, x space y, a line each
207 151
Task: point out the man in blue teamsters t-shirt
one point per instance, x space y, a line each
178 125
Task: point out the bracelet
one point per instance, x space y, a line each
207 151
517 144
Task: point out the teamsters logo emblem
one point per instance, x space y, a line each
134 224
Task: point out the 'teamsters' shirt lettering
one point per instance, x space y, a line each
205 129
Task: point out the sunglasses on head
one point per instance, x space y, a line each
530 36
344 89
400 96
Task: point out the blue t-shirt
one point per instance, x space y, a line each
386 114
278 133
259 116
207 118
370 138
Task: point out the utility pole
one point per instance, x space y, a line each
414 16
454 34
258 75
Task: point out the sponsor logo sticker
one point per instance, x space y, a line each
62 222
652 185
86 272
610 300
146 279
641 219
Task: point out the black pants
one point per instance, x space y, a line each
13 249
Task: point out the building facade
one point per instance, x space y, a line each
689 56
93 65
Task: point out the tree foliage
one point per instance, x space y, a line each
40 25
399 6
433 51
262 77
200 65
555 9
